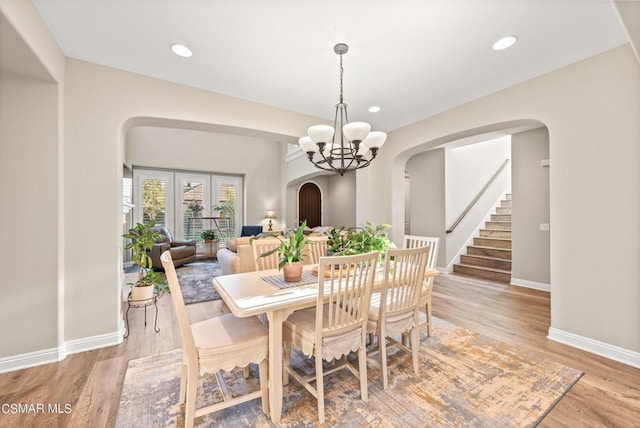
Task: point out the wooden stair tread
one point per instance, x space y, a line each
483 268
484 247
479 256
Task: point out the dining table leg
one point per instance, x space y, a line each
275 364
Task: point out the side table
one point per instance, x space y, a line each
142 304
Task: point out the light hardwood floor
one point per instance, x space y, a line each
608 395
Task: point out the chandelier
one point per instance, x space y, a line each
356 146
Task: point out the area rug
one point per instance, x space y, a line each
465 380
195 281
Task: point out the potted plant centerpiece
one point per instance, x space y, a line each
142 239
369 238
291 251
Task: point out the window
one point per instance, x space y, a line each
179 200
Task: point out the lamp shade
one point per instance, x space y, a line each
270 214
356 131
321 133
375 139
307 144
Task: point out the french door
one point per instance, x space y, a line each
182 201
153 197
193 201
227 192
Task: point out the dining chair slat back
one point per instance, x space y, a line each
336 326
264 245
316 247
394 310
414 241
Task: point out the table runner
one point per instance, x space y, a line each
278 280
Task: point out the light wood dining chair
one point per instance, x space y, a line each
336 326
210 346
414 241
316 247
264 245
394 309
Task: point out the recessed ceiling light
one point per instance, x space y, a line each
181 50
504 43
374 109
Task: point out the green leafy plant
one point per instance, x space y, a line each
336 240
142 239
292 247
226 209
194 206
209 235
370 238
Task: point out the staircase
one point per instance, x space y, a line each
490 255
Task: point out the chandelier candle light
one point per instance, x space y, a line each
349 152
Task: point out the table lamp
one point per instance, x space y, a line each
270 215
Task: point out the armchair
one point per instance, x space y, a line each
182 252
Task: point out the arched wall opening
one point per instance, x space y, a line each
529 144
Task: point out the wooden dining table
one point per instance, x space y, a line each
249 294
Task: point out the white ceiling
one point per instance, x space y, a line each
413 58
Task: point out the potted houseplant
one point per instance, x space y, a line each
142 239
209 235
291 251
225 209
195 208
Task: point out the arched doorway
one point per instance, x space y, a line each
310 205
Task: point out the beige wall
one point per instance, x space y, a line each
427 198
530 184
195 150
340 206
29 215
31 81
101 105
591 110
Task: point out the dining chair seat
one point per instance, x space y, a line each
226 342
301 328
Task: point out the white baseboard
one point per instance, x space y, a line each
531 284
53 355
94 342
29 359
606 350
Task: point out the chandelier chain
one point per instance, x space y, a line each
341 73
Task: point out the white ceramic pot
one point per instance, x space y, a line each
142 293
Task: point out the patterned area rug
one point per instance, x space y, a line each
465 380
195 281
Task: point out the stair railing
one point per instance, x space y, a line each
478 196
